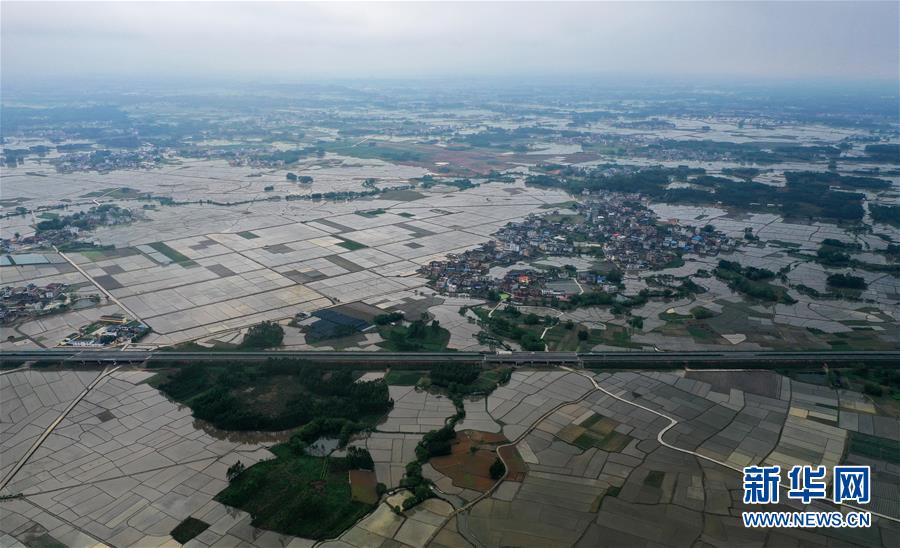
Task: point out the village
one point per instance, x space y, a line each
23 303
108 330
616 232
106 161
59 230
30 301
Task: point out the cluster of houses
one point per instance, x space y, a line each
469 273
30 300
465 274
614 227
58 230
538 286
108 330
537 236
105 161
631 237
38 240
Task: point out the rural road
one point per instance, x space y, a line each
673 422
98 286
659 437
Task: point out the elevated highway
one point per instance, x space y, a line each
589 359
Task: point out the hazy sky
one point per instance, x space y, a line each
299 41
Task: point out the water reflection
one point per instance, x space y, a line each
244 436
322 447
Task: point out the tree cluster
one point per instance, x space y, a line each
225 395
454 373
358 458
263 335
847 281
752 281
385 319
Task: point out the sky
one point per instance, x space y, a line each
295 42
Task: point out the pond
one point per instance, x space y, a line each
247 436
322 447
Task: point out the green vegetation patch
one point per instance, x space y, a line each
613 491
461 379
402 196
674 317
296 494
263 335
600 432
875 447
655 479
460 184
676 262
509 323
746 173
591 421
452 374
172 255
92 253
701 313
806 195
403 377
868 339
119 193
752 281
188 529
571 204
416 337
43 540
701 332
350 244
489 379
378 150
616 335
274 395
247 235
847 281
875 381
783 244
600 424
580 339
836 253
889 214
614 442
